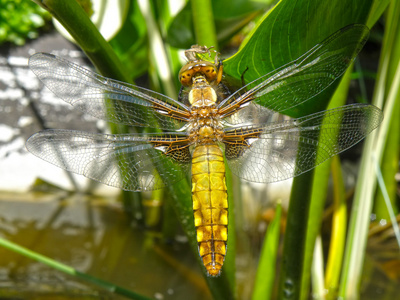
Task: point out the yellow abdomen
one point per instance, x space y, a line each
210 205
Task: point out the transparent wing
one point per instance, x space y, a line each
130 162
282 150
252 114
105 98
304 78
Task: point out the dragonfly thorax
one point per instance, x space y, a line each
202 94
205 126
201 133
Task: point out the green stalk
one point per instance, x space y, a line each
389 169
317 270
338 235
203 21
358 226
265 278
391 152
295 237
319 191
70 271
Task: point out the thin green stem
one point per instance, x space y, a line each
317 270
70 271
391 151
319 190
338 236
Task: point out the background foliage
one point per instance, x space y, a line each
20 20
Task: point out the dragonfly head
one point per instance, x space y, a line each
199 65
195 68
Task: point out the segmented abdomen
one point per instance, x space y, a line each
210 205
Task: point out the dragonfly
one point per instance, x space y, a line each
207 125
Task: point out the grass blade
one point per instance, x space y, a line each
265 277
70 271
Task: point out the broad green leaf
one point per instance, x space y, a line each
289 30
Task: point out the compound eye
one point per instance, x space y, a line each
210 73
185 77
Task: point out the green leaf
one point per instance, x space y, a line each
285 33
265 277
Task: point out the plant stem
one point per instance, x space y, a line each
203 21
265 278
338 236
295 237
70 271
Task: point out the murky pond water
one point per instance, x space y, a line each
94 236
